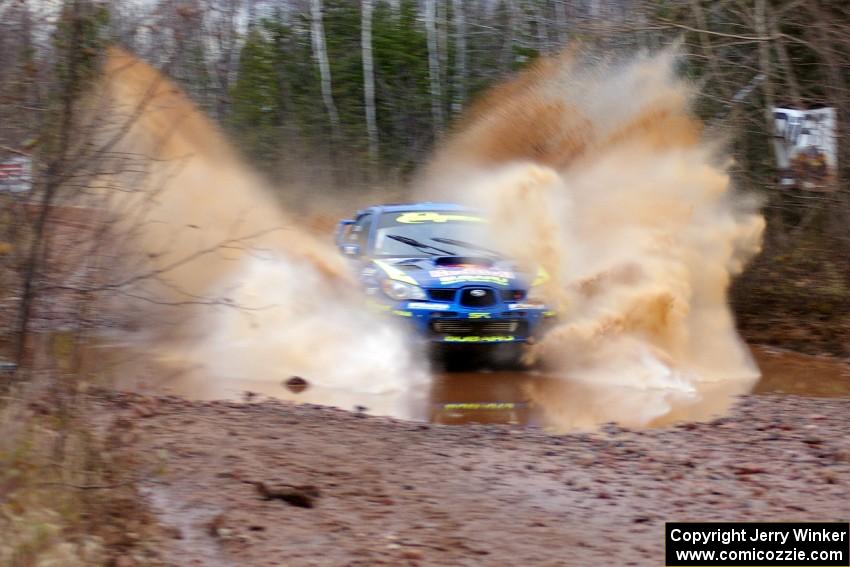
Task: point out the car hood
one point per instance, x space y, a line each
455 271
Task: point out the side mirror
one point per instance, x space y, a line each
343 229
350 249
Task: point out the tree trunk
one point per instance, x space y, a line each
434 68
35 260
506 57
369 80
443 40
561 21
543 43
765 64
460 57
321 55
395 8
252 14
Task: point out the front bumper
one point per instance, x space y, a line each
454 324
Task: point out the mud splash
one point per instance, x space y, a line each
598 173
620 200
221 279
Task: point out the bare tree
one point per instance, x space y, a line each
507 52
441 7
395 7
561 20
320 53
540 25
369 79
434 68
761 28
460 77
223 31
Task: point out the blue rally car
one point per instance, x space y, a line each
429 264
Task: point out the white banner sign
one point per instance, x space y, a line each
16 174
806 148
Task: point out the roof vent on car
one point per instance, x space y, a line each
409 266
463 260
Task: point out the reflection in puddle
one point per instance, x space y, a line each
491 397
458 398
528 398
459 413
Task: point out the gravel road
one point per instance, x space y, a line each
273 483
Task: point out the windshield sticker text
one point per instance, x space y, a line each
470 272
426 217
475 279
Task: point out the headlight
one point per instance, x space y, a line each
401 291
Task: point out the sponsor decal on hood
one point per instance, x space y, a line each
468 274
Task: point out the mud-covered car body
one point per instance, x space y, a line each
426 263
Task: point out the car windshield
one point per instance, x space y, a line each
418 234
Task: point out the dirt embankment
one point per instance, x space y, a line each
272 483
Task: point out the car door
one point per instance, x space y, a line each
360 234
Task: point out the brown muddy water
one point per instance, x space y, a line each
468 397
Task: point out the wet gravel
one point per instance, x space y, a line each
273 483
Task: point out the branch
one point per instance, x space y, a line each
721 34
13 151
225 244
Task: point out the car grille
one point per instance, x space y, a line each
482 328
506 295
442 294
477 297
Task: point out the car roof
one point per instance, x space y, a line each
420 206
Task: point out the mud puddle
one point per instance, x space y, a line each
508 396
513 397
786 372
